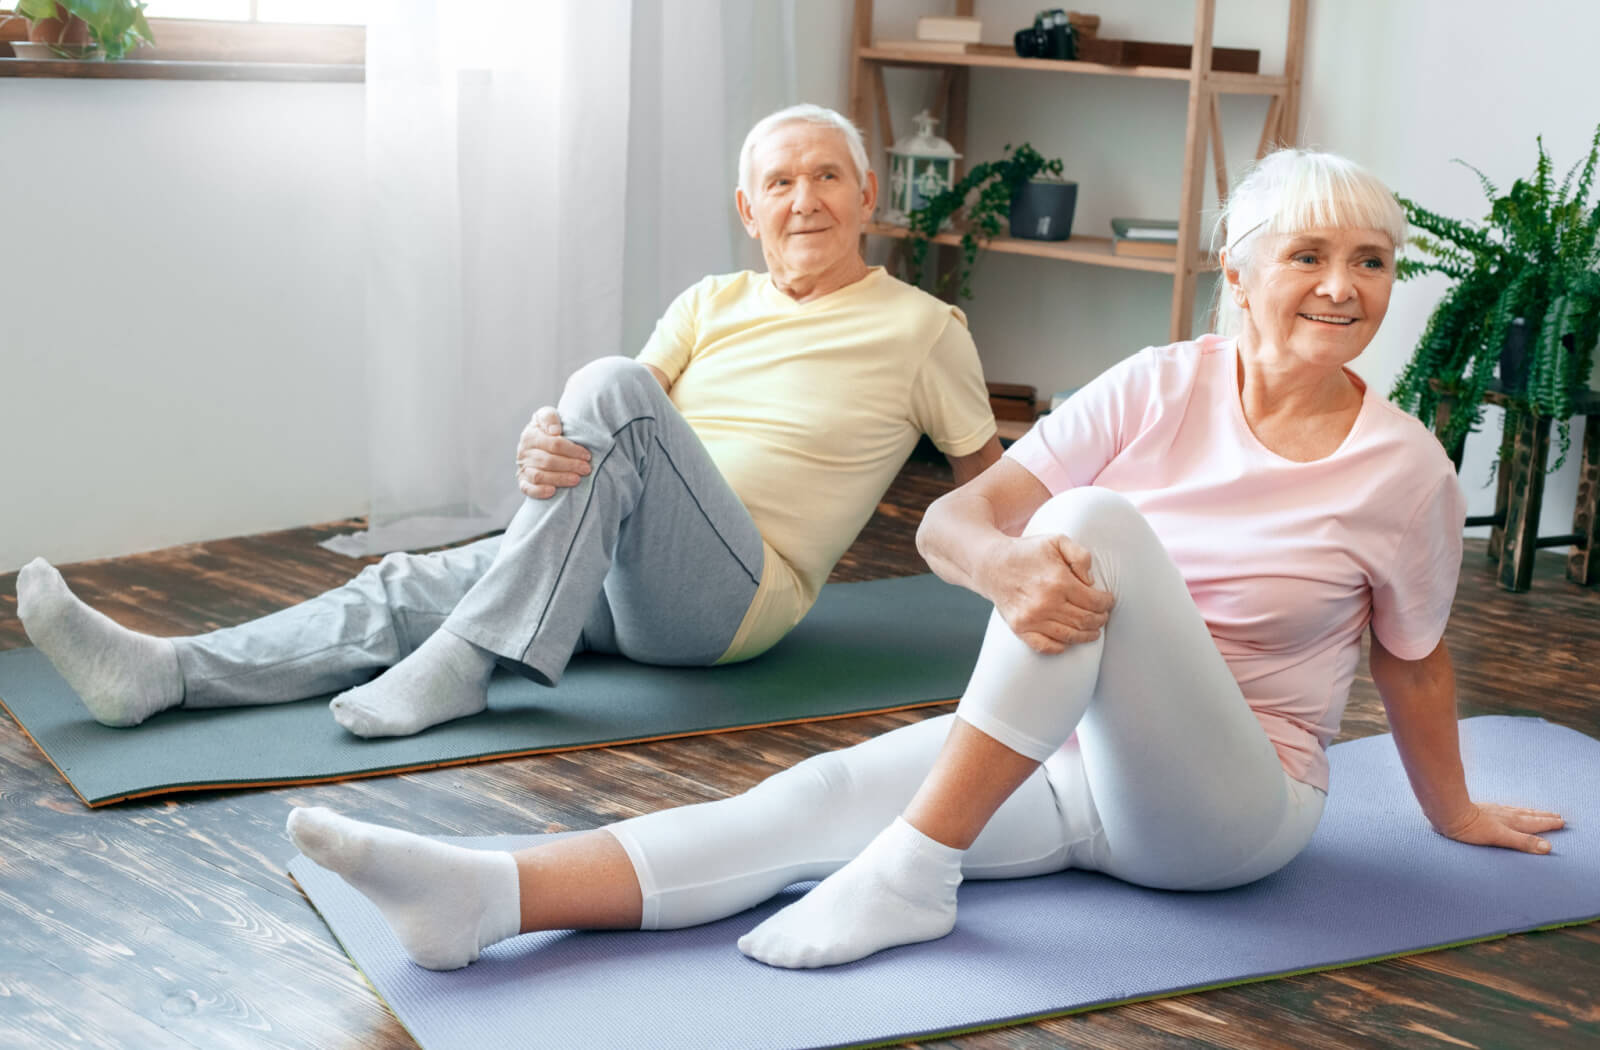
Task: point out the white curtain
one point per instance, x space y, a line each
543 176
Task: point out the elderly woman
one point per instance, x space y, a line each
1182 561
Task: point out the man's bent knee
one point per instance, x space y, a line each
610 387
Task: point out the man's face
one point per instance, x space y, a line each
808 207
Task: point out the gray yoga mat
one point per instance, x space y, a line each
1375 882
864 647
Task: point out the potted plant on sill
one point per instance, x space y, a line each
1527 285
997 184
81 29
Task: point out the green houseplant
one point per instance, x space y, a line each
114 27
995 183
1531 266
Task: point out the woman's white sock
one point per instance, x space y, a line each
901 889
445 903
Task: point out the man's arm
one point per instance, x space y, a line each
661 377
968 467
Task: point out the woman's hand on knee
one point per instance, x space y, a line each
546 461
1043 587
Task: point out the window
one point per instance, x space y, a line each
302 12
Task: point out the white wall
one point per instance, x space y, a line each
1399 87
180 313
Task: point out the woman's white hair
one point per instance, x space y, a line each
1292 190
805 113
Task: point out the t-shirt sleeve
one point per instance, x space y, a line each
1072 445
672 343
1411 605
949 401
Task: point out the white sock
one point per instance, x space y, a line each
122 676
901 889
445 903
446 677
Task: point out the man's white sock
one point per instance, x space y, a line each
445 903
446 677
901 889
122 676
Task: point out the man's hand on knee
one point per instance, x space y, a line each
546 461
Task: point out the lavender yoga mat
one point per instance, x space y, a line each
1375 882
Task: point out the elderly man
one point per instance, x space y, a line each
684 508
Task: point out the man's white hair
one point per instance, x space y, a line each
805 113
1292 190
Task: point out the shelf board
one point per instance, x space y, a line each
996 57
1096 251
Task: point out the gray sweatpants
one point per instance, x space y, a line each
651 556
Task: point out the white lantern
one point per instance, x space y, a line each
921 167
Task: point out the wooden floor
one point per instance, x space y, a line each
172 924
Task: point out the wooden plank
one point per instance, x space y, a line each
1269 128
860 104
1583 564
1216 151
1529 451
1181 319
1293 71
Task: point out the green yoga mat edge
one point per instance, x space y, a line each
466 760
856 654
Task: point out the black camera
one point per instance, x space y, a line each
1050 36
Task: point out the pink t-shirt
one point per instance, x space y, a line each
1287 562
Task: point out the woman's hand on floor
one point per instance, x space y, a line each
1507 827
547 461
1043 587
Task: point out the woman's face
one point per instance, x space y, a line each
1319 294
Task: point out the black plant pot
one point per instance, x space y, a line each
1514 358
1042 211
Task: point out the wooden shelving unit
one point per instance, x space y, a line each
1203 131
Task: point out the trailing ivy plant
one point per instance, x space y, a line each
115 26
1535 256
995 182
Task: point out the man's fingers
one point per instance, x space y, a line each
548 478
538 460
533 491
548 419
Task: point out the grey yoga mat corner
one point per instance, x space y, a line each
864 647
1375 882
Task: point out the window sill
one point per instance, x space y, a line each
187 49
147 69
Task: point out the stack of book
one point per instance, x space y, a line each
941 34
1150 238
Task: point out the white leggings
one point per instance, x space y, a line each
1167 780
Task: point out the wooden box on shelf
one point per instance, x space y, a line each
1178 56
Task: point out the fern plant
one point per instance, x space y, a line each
1536 256
995 182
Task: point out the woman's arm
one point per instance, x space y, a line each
1420 698
1042 585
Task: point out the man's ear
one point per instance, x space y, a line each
747 215
869 196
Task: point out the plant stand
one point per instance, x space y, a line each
1519 493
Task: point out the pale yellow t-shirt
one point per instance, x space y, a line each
810 409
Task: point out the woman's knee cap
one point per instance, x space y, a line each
1089 515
